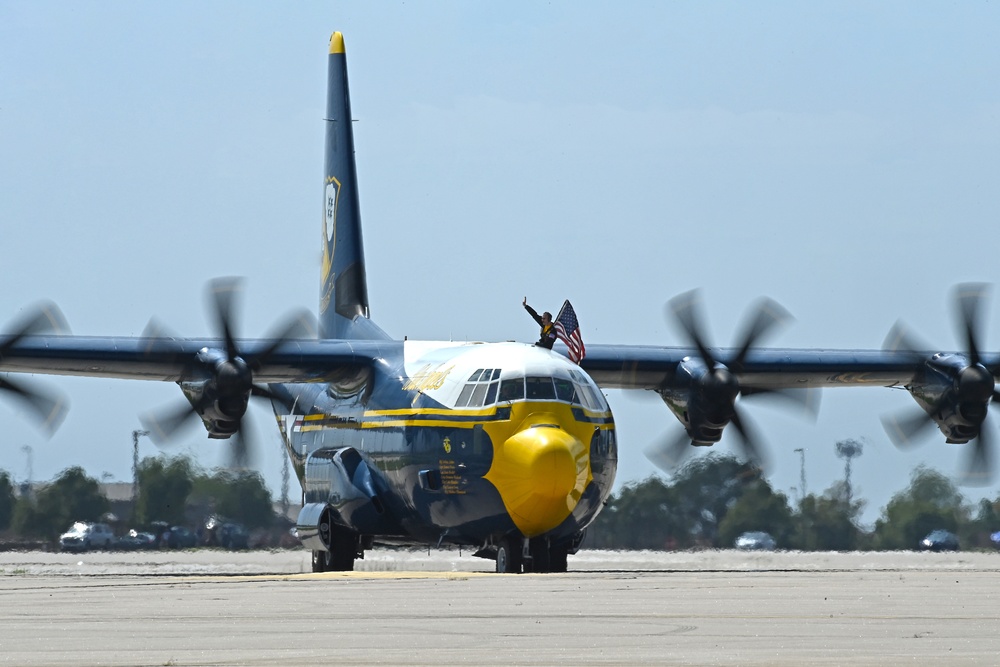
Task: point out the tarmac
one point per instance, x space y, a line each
211 607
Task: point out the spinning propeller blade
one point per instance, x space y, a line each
48 407
232 377
972 384
719 387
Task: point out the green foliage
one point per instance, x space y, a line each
684 514
758 508
641 516
239 496
707 488
7 500
828 522
71 497
930 502
164 486
976 533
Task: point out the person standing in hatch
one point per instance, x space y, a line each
547 336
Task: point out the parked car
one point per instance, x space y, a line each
939 540
755 541
179 537
84 536
136 540
233 536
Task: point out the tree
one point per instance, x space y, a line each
827 522
640 516
240 496
707 488
71 497
164 486
930 502
977 532
686 513
758 508
7 500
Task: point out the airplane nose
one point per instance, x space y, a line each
541 472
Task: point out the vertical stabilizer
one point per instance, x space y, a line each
343 305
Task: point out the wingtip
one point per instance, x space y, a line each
336 43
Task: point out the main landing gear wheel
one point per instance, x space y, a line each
344 547
539 550
319 561
557 557
508 557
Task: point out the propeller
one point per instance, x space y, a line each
972 386
715 390
48 407
225 395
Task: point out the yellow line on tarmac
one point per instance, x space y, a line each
357 575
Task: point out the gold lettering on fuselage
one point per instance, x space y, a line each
450 478
426 379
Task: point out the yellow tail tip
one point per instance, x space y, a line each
337 43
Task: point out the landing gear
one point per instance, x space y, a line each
557 557
344 546
319 561
508 556
546 556
539 550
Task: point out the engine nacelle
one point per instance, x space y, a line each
703 399
222 398
955 394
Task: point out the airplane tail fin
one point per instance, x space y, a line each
343 303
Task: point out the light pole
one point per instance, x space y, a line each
802 473
847 450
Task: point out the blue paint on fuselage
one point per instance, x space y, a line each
402 431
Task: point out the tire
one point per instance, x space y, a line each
343 550
319 561
557 557
539 550
508 557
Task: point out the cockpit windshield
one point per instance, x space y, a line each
576 389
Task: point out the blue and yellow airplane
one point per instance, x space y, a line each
509 448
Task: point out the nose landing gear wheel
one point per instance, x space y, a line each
508 557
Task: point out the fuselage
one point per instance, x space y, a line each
454 442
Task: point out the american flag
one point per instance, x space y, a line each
568 331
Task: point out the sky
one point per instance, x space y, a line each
840 158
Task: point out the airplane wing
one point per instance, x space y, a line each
177 359
657 368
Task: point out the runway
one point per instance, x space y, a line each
689 608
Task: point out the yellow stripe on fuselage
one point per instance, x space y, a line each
524 446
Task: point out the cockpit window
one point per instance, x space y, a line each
565 391
479 390
540 388
512 389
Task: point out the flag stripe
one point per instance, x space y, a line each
568 331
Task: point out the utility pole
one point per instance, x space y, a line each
136 434
802 472
849 449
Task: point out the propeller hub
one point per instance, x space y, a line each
975 384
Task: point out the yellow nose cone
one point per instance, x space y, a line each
541 473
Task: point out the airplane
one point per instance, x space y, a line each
505 447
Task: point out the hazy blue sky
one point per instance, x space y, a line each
841 158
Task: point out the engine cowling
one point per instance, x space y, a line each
955 393
222 398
